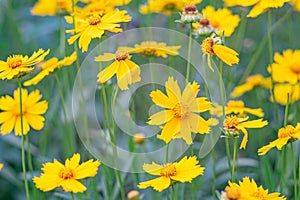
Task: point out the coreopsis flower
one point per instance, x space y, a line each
250 84
183 171
285 135
52 7
213 46
295 4
32 109
190 14
248 190
66 176
98 7
235 126
153 48
181 116
127 71
94 26
19 65
109 2
49 67
282 91
1 166
259 6
203 27
286 67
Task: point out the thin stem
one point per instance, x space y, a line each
228 152
174 197
298 176
23 142
294 170
221 88
234 159
286 113
167 153
188 68
72 195
282 170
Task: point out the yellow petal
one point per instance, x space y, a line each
86 169
8 125
226 54
105 57
190 92
46 182
161 99
259 123
73 162
161 117
169 130
108 72
173 90
123 75
153 168
72 185
185 132
158 184
35 121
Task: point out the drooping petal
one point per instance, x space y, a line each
153 168
185 131
226 54
105 57
72 185
158 184
259 123
123 75
169 130
108 72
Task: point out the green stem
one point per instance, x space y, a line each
174 197
214 173
294 171
221 88
228 152
188 68
234 159
29 159
72 195
282 170
23 142
286 113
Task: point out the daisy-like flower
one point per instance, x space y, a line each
180 117
248 190
251 82
153 48
285 135
286 67
94 26
52 7
213 46
18 65
234 126
66 176
183 171
221 20
127 71
190 14
282 91
49 67
259 6
32 109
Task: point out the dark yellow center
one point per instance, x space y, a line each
286 132
232 193
190 8
207 46
204 22
259 195
231 122
66 173
121 55
295 68
94 19
168 170
14 61
181 110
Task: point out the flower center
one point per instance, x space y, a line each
14 61
204 22
295 68
94 20
121 55
168 170
232 193
190 8
236 104
181 110
286 132
207 46
66 173
231 122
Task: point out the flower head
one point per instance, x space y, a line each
127 71
66 176
32 109
18 65
49 67
180 117
190 14
52 7
234 126
183 171
285 135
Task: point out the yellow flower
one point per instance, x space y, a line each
127 71
49 67
139 138
234 126
222 20
17 65
1 166
295 4
251 82
109 2
248 190
153 48
52 7
94 26
180 117
260 6
182 171
32 110
66 176
281 92
285 135
286 67
95 7
133 195
212 46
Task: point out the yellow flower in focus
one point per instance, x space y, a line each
222 20
251 82
18 65
285 135
180 117
153 48
281 92
66 176
295 4
32 109
259 6
94 26
52 7
127 71
183 171
1 166
212 46
234 126
286 67
49 67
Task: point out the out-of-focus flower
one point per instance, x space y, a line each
1 166
133 195
127 71
32 110
18 65
183 171
285 135
282 91
49 67
259 6
190 14
94 26
295 4
109 2
52 7
234 126
213 46
180 117
286 67
139 138
66 176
